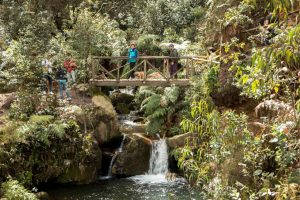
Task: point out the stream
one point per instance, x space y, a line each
151 186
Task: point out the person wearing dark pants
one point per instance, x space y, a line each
63 83
132 58
47 71
173 61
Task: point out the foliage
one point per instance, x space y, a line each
24 105
148 45
160 107
272 68
13 190
227 161
39 148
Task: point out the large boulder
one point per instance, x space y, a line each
123 102
179 140
98 117
83 171
134 159
129 127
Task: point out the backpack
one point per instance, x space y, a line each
61 74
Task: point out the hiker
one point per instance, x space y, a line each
173 60
63 83
47 72
132 58
70 66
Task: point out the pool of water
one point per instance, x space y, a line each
134 188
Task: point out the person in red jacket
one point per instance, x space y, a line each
70 66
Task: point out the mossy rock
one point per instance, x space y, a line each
105 103
122 108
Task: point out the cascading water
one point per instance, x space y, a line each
158 165
119 150
159 158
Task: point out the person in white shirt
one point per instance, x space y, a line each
47 72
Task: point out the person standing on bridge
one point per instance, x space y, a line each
173 60
132 58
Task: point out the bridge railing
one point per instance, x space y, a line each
159 64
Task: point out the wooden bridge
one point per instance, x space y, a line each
149 70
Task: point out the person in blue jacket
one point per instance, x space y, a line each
132 57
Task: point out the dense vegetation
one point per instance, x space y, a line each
237 153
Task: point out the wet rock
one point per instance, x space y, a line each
43 196
134 159
132 128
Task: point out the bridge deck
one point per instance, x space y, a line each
137 82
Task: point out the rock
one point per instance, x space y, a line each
123 102
82 171
132 128
179 140
82 89
70 112
43 196
286 127
274 109
99 117
6 100
104 103
134 159
256 128
122 108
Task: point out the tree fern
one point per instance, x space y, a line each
150 104
172 93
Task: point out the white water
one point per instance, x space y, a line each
119 150
158 165
159 158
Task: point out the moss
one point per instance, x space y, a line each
122 108
78 175
105 103
43 119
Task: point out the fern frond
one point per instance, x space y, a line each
172 93
159 113
150 104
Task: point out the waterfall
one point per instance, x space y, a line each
159 158
119 150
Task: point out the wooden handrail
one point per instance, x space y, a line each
147 57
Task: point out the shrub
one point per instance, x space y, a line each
13 190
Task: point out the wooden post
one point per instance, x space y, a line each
93 69
118 71
145 70
193 68
187 69
168 70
